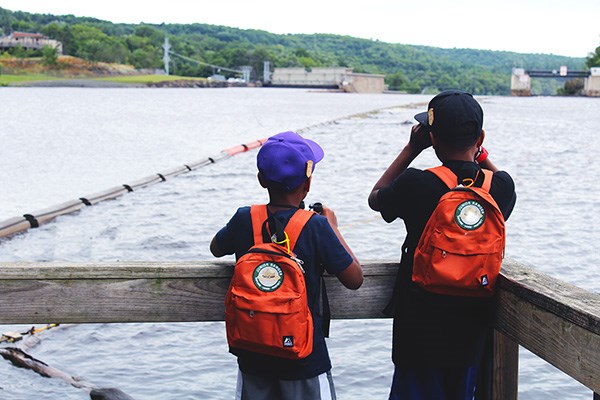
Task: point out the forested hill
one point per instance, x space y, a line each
407 67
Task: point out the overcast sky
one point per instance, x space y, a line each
569 28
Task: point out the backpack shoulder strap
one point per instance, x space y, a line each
487 180
259 215
484 190
296 224
450 179
446 175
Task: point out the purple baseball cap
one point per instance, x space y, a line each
288 158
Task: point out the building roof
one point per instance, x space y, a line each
18 35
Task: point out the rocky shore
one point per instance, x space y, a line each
83 83
188 83
92 83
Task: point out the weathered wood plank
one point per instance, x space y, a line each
152 292
557 321
572 303
116 270
569 347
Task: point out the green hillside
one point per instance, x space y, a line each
408 68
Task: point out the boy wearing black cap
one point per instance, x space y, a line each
285 165
438 340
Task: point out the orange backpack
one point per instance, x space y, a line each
461 248
266 306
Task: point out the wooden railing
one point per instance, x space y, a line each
558 322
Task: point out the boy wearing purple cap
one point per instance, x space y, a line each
285 166
438 340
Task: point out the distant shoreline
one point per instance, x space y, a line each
82 83
95 83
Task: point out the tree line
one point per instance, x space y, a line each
409 68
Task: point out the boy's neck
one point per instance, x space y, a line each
279 203
448 155
285 200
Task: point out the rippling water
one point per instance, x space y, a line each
61 144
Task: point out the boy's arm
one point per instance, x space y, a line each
419 141
214 248
484 154
352 276
487 164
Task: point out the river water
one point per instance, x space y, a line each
64 143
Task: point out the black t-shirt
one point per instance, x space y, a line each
429 329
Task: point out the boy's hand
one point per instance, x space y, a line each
419 138
330 215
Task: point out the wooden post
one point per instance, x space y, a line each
499 370
505 368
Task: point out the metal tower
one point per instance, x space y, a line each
166 58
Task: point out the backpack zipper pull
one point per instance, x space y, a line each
299 262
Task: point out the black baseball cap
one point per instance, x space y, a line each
453 115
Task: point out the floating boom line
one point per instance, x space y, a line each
20 224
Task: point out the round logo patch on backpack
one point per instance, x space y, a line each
268 277
469 215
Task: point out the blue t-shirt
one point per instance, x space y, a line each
319 248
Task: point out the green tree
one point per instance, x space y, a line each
572 87
593 60
62 32
396 81
94 45
6 21
49 56
146 57
307 62
154 36
19 52
23 26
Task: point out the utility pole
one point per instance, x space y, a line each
266 72
246 73
166 58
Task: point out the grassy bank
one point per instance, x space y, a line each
147 79
7 80
23 71
89 81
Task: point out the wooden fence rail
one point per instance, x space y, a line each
556 321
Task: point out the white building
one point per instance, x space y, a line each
29 41
328 78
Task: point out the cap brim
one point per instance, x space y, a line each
316 149
422 118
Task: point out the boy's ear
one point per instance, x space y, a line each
261 180
307 184
481 137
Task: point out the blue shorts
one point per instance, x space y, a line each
456 383
254 387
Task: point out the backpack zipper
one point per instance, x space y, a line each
282 253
